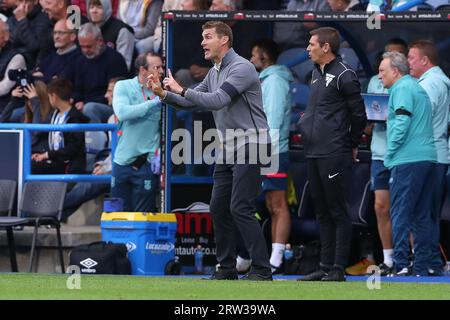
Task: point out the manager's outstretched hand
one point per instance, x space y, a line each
171 85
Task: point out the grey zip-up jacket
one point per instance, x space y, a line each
233 94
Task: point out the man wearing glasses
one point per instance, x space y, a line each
61 63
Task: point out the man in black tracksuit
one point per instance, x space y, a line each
331 127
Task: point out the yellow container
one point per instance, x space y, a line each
139 216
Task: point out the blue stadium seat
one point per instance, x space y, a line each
95 141
349 57
299 95
299 63
299 98
438 4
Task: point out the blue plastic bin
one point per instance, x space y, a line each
149 237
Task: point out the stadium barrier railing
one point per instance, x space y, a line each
27 138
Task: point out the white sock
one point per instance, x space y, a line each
388 254
242 264
276 257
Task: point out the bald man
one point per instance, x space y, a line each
60 64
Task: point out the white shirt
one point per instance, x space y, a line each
57 137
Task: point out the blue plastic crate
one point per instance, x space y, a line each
150 238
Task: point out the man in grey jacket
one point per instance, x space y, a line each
232 91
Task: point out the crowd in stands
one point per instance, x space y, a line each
53 72
36 35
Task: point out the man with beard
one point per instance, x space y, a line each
95 68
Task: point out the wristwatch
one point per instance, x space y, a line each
183 92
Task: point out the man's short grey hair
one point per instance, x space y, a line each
398 60
89 29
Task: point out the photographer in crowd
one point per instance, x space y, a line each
37 110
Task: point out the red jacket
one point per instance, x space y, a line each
83 6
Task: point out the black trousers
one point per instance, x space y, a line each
233 200
328 179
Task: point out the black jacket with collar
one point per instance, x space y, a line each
74 151
335 117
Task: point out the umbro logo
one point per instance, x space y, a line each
329 78
88 263
131 246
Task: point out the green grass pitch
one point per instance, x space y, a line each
39 286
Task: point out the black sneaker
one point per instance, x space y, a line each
277 270
335 274
385 270
223 274
257 277
315 276
436 272
411 261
